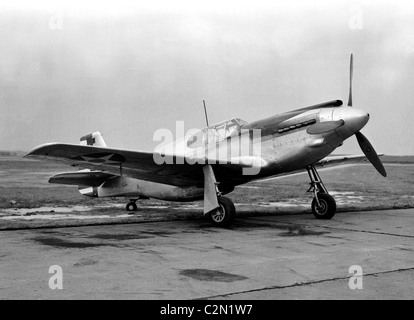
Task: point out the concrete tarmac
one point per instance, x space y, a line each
267 257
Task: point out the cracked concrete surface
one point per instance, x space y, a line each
267 257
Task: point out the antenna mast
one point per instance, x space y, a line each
205 112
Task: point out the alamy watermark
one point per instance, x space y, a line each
356 19
56 20
218 145
56 280
355 281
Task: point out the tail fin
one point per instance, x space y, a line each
93 139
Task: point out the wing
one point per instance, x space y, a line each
173 170
337 160
329 162
134 164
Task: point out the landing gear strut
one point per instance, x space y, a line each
220 209
323 204
132 206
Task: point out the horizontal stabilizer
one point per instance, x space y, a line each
81 178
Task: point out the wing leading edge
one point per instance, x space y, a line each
329 162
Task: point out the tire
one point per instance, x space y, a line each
223 216
131 206
327 207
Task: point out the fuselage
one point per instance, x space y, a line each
306 138
272 146
279 144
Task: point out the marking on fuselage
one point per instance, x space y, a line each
287 142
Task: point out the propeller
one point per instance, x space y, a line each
370 153
351 71
363 142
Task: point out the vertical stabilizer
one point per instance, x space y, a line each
93 139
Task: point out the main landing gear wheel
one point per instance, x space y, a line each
224 215
131 206
326 208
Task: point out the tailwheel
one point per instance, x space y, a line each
131 206
224 215
323 206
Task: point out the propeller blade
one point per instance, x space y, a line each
351 71
370 153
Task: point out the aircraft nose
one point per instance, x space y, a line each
355 119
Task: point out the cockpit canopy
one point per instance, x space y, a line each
216 133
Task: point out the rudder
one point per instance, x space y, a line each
93 139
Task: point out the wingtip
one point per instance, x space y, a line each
35 151
30 153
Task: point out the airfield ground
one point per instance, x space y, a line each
28 200
275 249
268 257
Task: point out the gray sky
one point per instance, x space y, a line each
127 69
